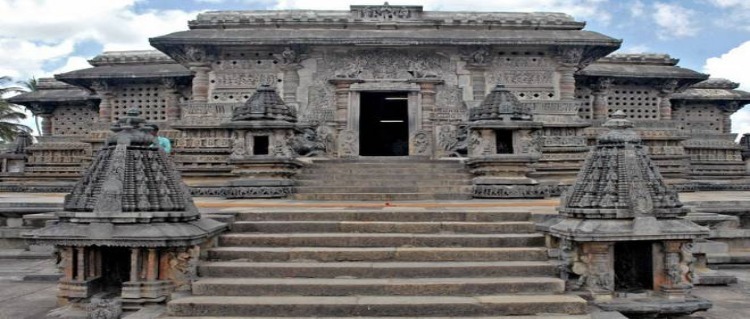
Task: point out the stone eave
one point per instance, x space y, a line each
146 72
642 71
713 95
52 96
285 37
588 230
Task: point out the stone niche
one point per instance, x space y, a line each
262 153
621 235
503 142
129 233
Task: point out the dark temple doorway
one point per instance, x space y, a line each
634 266
384 124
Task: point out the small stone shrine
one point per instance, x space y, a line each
13 160
263 129
129 228
621 231
501 147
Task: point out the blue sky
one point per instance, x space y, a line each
43 37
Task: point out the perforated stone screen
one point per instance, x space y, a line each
583 95
699 118
148 98
72 120
638 103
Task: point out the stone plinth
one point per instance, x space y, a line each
262 177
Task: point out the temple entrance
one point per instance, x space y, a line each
384 124
634 266
115 268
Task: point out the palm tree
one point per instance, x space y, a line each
31 85
9 115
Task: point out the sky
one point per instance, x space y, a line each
43 37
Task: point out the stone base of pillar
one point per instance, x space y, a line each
136 294
77 289
676 293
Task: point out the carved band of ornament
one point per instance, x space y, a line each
554 107
569 55
564 141
602 85
384 13
245 80
525 77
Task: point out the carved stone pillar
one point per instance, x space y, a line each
46 124
81 263
665 106
200 81
567 82
68 259
600 278
135 263
600 104
105 105
428 105
342 101
172 99
291 82
569 59
152 269
678 272
477 62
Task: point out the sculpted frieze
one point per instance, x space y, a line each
453 140
388 64
525 77
243 79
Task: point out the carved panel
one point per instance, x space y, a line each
449 106
530 75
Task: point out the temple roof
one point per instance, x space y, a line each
619 180
126 65
641 66
364 16
500 104
51 91
714 89
264 104
378 37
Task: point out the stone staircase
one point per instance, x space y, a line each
384 179
393 262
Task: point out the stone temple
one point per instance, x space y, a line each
516 98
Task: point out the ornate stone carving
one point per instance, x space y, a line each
388 64
421 143
313 142
569 55
100 308
454 140
348 143
385 12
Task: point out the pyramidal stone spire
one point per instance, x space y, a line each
501 105
264 104
131 175
619 180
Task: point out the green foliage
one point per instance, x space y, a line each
10 115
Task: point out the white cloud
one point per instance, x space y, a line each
39 32
637 8
734 65
635 48
674 20
735 14
580 9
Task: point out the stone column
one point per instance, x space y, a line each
105 105
46 124
665 106
428 104
291 82
172 99
567 82
135 255
677 276
342 101
81 261
569 59
600 90
152 265
601 269
200 81
68 257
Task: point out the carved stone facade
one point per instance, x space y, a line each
558 72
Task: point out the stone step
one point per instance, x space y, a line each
330 254
344 188
389 215
381 196
232 269
367 175
543 316
380 240
301 306
376 286
382 183
383 227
